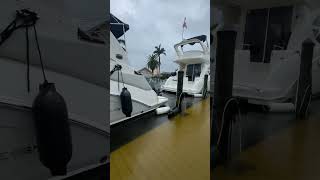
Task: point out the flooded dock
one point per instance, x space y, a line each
126 131
275 146
155 147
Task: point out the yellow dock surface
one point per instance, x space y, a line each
293 153
177 149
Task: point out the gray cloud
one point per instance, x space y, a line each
153 22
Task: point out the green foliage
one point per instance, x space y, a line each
159 51
152 62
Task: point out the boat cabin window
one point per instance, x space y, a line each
194 47
266 30
316 28
94 36
94 33
193 71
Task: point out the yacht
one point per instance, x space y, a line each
142 98
44 42
268 47
195 62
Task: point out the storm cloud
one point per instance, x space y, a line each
154 22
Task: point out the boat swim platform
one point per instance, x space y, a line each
289 152
176 149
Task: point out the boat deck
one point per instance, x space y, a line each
277 146
176 149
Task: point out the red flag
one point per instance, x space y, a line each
184 23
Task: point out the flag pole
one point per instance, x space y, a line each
182 32
184 25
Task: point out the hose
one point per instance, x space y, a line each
223 123
304 98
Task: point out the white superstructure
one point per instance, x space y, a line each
194 63
268 46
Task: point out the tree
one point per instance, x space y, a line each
152 62
158 52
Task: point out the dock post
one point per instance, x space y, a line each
205 86
179 96
223 86
304 86
179 88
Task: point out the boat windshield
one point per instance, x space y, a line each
266 30
118 29
194 46
193 71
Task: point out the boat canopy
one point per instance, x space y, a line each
117 27
202 38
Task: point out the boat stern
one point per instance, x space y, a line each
189 87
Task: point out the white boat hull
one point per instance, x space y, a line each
274 82
190 58
86 107
143 101
116 114
189 87
18 151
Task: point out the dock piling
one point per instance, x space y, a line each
205 86
179 96
304 86
223 86
179 88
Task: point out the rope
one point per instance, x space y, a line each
304 98
122 78
5 34
179 100
28 59
118 82
39 52
117 68
27 19
223 120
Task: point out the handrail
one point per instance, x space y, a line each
188 41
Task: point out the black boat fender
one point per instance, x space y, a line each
126 102
52 129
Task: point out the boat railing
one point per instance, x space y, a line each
190 41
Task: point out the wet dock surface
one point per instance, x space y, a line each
127 131
99 173
172 149
275 146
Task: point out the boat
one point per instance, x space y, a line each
58 51
268 47
194 63
142 98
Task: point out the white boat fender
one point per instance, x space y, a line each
126 102
162 110
52 129
282 107
197 95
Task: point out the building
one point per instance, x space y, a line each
146 72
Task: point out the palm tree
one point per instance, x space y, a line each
158 52
152 62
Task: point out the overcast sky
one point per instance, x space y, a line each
160 21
